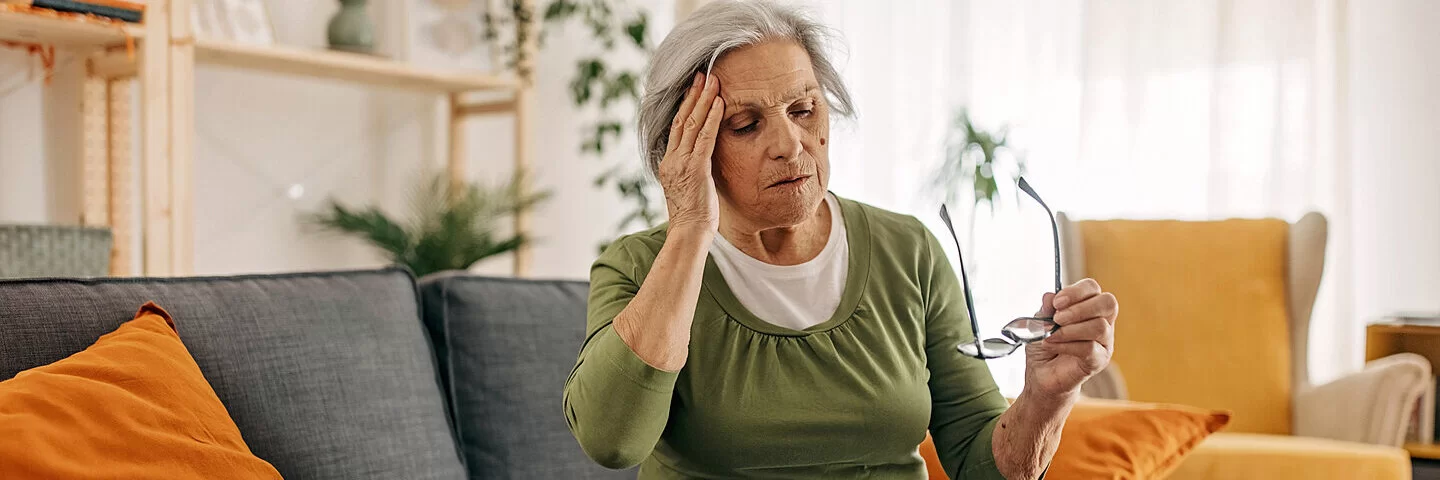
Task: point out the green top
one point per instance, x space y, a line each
849 398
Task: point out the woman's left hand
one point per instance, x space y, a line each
1057 366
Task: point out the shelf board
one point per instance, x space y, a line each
63 31
343 66
1404 328
1423 450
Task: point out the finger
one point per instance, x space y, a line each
698 115
1102 306
1076 293
677 124
1047 305
1092 355
705 143
1092 330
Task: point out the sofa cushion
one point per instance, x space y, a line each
1130 440
506 347
1246 456
327 375
133 404
1118 440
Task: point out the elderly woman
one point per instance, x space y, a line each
772 329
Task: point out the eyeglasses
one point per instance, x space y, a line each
1019 331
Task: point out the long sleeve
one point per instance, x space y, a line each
965 402
616 404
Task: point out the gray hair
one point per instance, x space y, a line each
708 33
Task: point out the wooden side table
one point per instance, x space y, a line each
1384 339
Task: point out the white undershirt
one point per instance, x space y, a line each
791 296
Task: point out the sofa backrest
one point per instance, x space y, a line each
506 347
327 375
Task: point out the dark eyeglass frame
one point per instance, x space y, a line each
1022 330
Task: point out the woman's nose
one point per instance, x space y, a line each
784 143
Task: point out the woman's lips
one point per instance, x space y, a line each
791 182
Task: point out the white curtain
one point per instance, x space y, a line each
1119 108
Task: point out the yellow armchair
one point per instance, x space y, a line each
1216 314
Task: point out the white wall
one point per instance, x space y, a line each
258 134
32 191
1394 102
254 138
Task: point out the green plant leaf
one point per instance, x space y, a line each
637 29
970 157
450 227
622 86
599 83
369 224
560 10
598 17
590 71
611 128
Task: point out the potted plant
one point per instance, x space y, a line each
972 159
608 87
451 225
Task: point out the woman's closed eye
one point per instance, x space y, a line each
800 111
804 108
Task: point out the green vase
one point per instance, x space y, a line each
351 30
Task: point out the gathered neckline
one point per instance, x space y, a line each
857 236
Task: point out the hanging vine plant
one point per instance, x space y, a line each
610 88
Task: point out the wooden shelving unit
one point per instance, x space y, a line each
62 31
162 64
343 66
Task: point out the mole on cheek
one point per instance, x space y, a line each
822 140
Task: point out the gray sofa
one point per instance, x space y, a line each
351 374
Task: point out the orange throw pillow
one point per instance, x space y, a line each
133 405
1119 440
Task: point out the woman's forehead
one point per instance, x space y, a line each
762 98
765 73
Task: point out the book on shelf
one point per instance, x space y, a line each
116 9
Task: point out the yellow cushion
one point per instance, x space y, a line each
1241 456
1118 440
1203 317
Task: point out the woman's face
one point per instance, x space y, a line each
772 166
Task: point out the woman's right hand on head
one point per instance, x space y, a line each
685 172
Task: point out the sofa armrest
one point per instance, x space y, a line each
1374 405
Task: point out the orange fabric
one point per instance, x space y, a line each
1108 439
132 405
1227 455
1118 440
1203 318
932 459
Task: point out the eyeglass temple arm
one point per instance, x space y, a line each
964 280
1054 228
